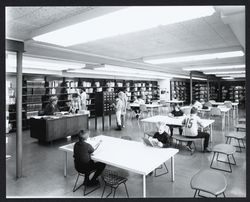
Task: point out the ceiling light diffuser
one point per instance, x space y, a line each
124 21
227 72
191 58
214 67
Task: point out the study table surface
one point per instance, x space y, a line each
177 121
129 155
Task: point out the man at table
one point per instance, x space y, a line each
139 101
191 124
83 162
52 107
176 113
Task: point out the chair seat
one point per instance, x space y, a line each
242 120
224 149
237 135
183 138
112 178
209 181
240 126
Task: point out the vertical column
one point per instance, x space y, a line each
191 88
208 89
19 141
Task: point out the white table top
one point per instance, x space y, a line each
199 109
147 105
174 101
129 155
173 120
224 109
222 103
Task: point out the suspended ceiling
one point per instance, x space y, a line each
207 34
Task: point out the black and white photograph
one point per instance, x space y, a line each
125 101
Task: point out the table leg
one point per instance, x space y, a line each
211 132
65 164
172 168
223 120
144 186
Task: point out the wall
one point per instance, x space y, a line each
164 89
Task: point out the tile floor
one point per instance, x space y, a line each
43 167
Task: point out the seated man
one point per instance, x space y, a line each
83 162
196 104
140 101
175 113
52 107
191 123
161 137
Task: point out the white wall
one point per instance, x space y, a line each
164 86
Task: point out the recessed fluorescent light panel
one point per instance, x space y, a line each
124 21
214 68
227 72
191 58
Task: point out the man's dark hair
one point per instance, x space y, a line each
193 110
75 95
80 135
193 101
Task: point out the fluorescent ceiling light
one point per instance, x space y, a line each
197 78
214 68
123 21
231 75
45 64
227 72
189 58
228 78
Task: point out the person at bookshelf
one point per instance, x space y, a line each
124 108
83 98
191 124
75 104
139 101
177 112
83 162
118 110
161 137
52 107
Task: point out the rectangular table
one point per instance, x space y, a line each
175 101
129 155
150 106
177 121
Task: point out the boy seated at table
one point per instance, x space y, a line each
191 124
161 138
83 162
177 112
196 104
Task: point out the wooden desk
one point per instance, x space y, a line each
129 155
49 128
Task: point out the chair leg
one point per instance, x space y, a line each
224 194
126 189
74 189
195 193
239 145
85 189
111 190
163 172
103 190
114 192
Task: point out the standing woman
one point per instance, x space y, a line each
118 111
124 107
83 98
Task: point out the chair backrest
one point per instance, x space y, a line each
143 108
228 104
208 104
215 111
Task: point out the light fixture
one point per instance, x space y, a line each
213 68
227 72
231 75
124 21
190 58
227 78
197 78
45 64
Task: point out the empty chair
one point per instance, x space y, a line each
240 126
229 105
238 136
224 149
242 120
113 180
215 112
210 182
